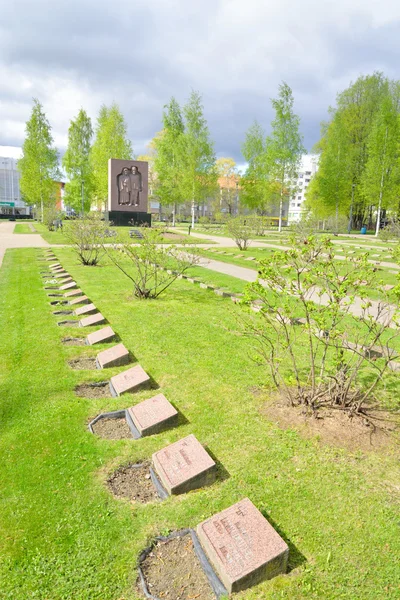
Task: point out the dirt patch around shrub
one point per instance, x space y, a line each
68 323
93 390
172 570
83 363
335 427
71 341
112 429
133 482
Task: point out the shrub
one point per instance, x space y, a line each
239 231
87 235
319 351
151 266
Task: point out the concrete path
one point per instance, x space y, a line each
385 316
9 239
228 243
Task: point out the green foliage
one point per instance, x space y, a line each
257 192
87 236
76 162
238 229
284 147
303 296
150 266
111 142
199 175
169 159
39 164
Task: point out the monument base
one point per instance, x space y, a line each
121 218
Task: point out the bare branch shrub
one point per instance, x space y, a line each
87 236
151 266
238 229
324 341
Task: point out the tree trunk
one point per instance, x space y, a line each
378 216
280 210
173 214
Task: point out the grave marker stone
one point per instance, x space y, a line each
73 293
128 381
89 309
153 415
184 466
113 357
101 336
95 319
69 286
242 546
79 300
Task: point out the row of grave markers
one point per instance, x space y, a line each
240 544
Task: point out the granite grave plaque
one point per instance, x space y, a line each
89 309
73 293
106 334
128 381
95 319
79 300
184 466
113 357
242 546
153 415
69 286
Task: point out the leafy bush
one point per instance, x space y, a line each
239 231
87 235
151 266
319 350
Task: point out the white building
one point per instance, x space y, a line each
10 195
308 168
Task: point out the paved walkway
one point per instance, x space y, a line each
385 316
229 243
8 239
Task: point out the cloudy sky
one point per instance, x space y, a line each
138 53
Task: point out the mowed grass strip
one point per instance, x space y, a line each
64 537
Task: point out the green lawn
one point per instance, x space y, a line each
23 228
171 237
64 537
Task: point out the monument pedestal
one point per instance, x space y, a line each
124 218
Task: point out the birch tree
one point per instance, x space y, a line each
76 163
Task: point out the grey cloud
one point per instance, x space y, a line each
140 53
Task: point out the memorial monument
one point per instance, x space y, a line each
128 192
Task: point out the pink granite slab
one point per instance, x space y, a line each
69 286
184 466
95 319
128 381
73 293
106 334
79 300
56 266
242 546
153 415
113 357
60 274
65 281
89 309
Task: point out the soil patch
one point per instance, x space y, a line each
335 427
112 429
82 363
68 323
70 341
173 236
63 312
172 570
93 390
133 481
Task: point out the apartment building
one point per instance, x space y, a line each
308 168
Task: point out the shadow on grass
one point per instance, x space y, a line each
222 473
296 558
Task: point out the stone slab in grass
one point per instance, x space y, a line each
89 309
184 466
113 357
56 266
69 286
65 280
242 546
106 334
153 415
73 293
129 381
79 300
60 274
95 319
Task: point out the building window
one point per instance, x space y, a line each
298 197
301 175
308 172
307 181
299 205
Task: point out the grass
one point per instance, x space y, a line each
64 537
23 228
59 237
